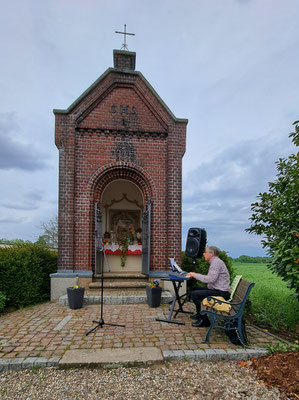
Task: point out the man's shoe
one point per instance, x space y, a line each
201 323
195 316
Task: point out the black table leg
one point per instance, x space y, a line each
176 298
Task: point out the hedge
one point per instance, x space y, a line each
24 274
2 301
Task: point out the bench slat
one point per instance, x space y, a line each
241 291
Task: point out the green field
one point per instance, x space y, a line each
273 305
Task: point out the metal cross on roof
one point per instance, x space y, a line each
125 33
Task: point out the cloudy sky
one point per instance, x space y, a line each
229 66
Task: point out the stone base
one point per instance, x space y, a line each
61 280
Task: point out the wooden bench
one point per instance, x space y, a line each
231 321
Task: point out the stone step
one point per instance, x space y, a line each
116 292
121 275
117 284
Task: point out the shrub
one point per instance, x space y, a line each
281 347
24 271
2 301
253 260
201 266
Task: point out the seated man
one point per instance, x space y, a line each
217 284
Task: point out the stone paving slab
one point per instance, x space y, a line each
47 331
111 358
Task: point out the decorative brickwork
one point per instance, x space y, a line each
118 129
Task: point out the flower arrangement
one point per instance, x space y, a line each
155 283
76 286
131 233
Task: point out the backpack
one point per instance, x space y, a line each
233 335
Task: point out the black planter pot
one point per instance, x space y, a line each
153 295
75 297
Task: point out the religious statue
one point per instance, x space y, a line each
139 235
122 220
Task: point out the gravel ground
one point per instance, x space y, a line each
182 380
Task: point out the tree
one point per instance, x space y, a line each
276 217
49 238
251 260
14 242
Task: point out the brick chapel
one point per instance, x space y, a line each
120 179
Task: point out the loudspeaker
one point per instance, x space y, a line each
196 242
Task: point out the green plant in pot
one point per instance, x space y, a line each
75 295
153 293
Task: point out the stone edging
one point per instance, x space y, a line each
28 363
213 354
174 355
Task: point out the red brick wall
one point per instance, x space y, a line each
118 129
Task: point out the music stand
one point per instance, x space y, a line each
101 322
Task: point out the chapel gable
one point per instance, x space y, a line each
123 109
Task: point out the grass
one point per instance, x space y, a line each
273 305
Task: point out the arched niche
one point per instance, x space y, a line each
121 206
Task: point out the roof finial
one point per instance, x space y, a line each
125 33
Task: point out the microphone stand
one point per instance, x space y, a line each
101 322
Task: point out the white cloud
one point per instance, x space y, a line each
217 195
13 153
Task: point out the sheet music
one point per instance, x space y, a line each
174 266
